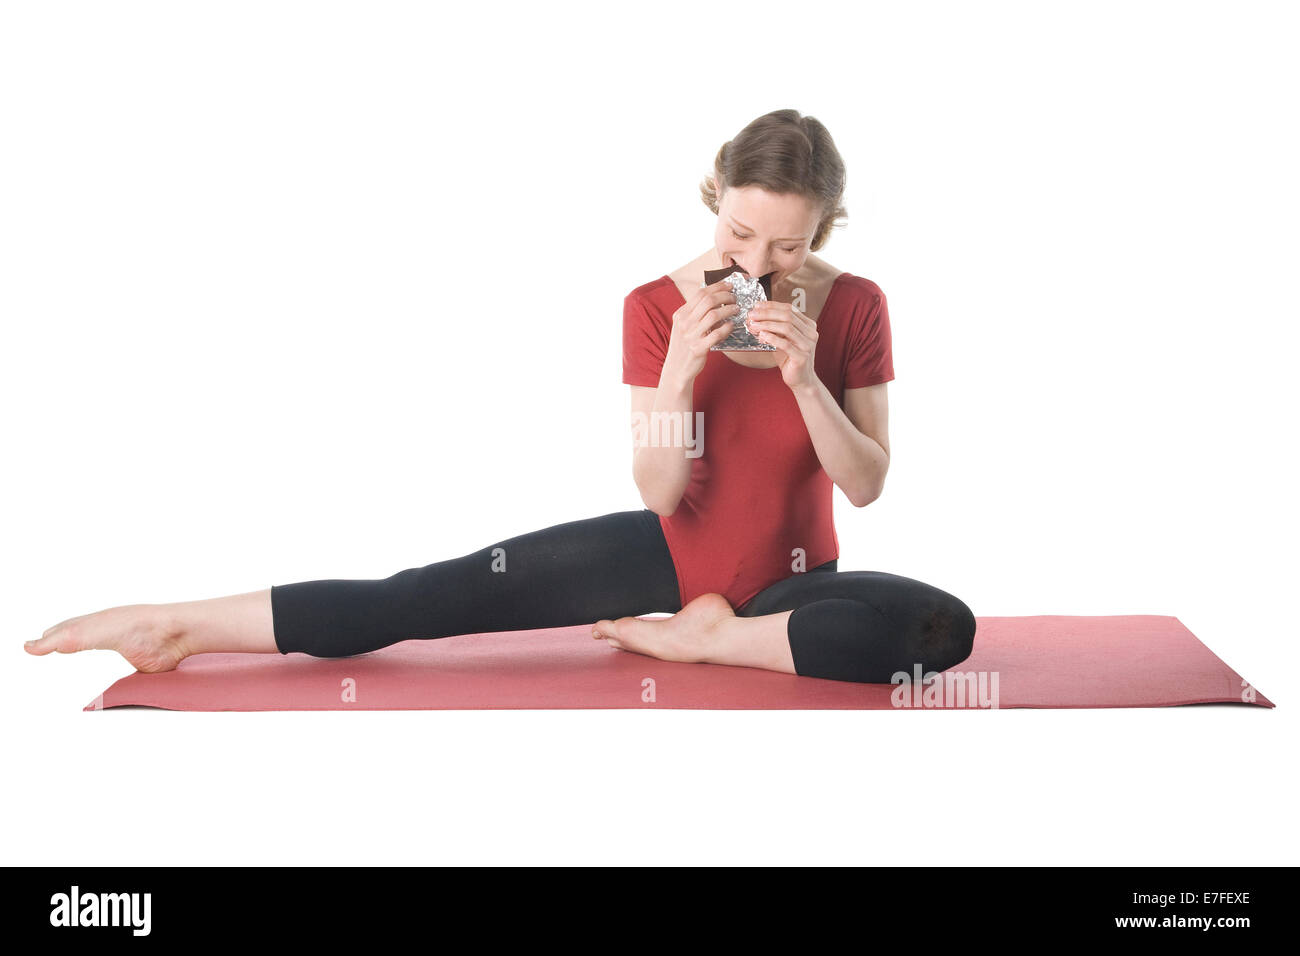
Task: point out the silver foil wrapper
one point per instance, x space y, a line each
748 291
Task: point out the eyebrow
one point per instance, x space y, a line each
751 229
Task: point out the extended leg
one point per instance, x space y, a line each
572 573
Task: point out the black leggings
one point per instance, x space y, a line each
846 625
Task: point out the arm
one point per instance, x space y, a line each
662 469
661 473
852 443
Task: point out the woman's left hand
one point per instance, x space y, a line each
792 333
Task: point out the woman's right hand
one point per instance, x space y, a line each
703 321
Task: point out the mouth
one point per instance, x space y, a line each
730 262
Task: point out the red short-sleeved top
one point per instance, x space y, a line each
758 498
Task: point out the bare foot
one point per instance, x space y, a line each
693 634
139 632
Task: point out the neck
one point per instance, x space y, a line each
783 288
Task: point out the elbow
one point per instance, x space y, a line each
861 497
660 505
868 492
662 501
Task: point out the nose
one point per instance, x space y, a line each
754 266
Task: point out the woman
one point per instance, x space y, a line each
737 540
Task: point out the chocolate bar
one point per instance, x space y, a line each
748 291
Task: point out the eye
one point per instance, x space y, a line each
795 249
738 235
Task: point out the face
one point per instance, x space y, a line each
764 232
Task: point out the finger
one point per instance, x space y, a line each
720 333
713 336
805 325
782 326
725 312
712 302
791 324
783 312
708 337
793 316
721 286
782 341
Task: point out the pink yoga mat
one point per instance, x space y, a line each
1043 661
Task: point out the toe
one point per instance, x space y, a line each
47 642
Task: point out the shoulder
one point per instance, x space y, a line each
859 291
839 291
650 289
658 296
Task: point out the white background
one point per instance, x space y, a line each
255 332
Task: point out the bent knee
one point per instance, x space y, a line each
948 635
